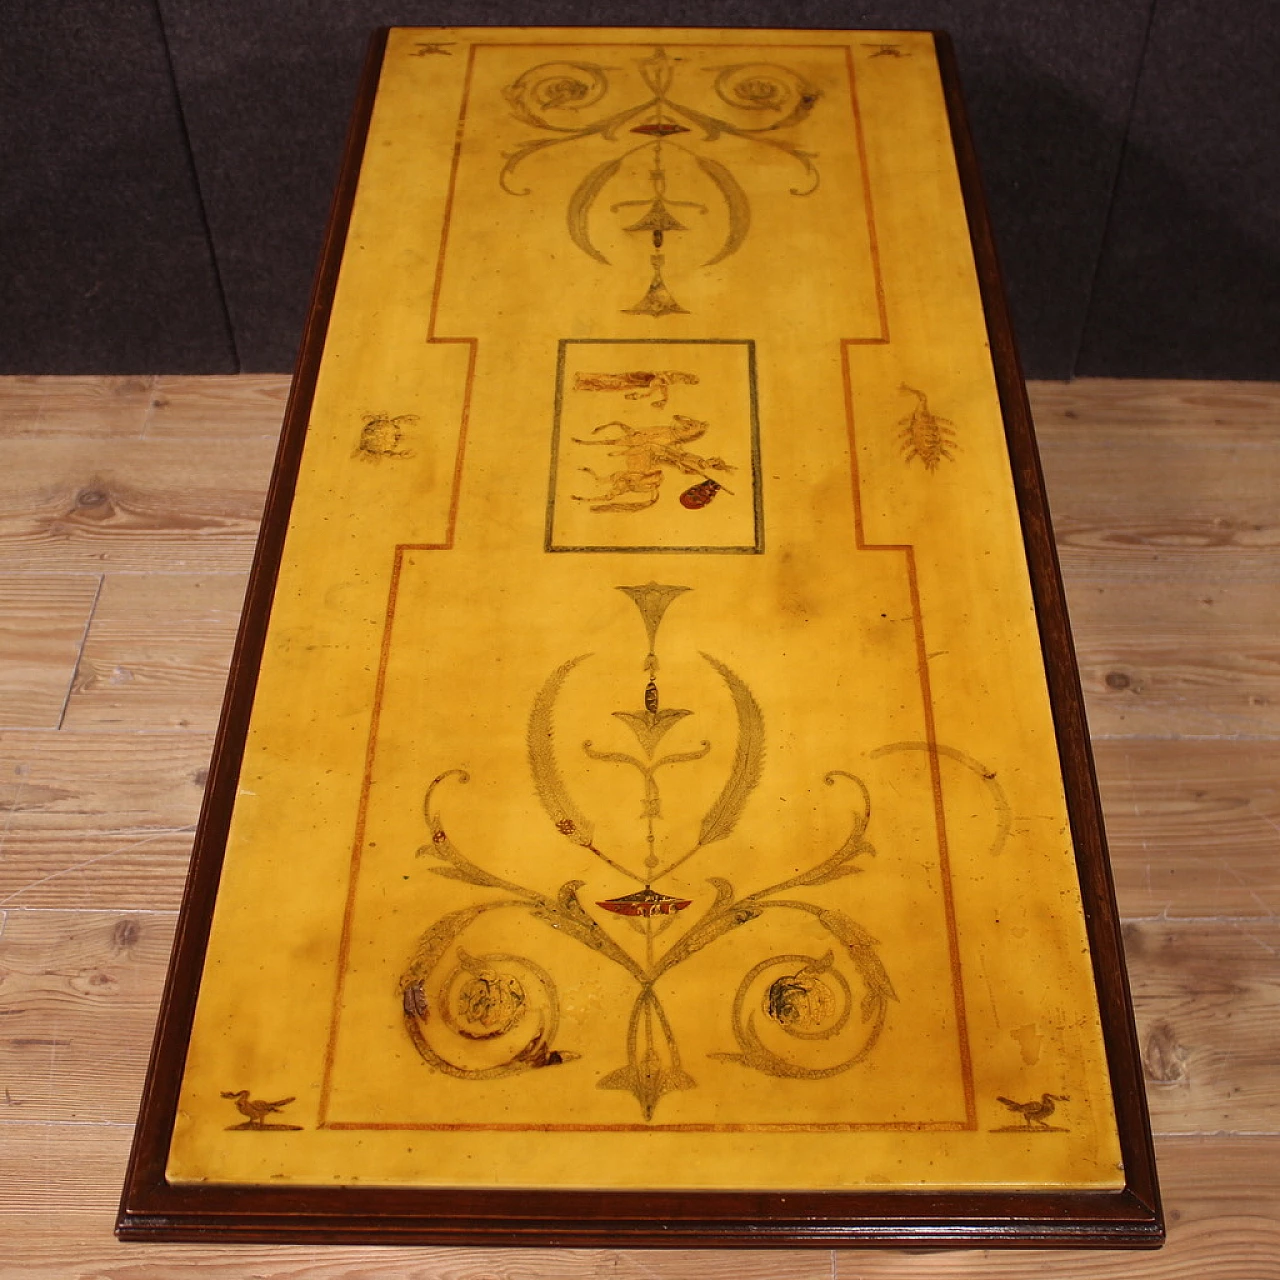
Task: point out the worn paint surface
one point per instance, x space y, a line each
595 834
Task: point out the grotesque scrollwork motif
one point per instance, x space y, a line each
559 98
489 1014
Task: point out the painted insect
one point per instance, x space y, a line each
699 495
925 435
382 436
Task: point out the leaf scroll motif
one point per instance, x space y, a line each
580 207
458 866
736 203
549 785
748 758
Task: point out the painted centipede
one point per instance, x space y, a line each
925 435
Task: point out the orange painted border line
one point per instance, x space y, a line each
371 744
648 44
362 814
472 343
935 774
868 205
930 733
966 1065
781 1126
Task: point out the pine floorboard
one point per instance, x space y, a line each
128 513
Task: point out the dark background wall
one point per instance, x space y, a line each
166 165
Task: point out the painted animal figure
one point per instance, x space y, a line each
925 435
699 495
1036 1112
638 384
645 451
256 1109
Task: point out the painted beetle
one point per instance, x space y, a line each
699 494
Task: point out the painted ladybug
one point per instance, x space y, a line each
699 495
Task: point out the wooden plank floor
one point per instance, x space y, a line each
128 512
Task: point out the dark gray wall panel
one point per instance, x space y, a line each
1048 88
267 85
266 90
104 258
1189 282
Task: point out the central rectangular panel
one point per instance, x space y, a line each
656 447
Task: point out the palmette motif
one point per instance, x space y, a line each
488 1016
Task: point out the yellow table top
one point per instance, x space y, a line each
652 780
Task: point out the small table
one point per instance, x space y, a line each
653 803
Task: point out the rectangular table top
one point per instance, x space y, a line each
654 762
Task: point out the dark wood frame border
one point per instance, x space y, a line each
152 1209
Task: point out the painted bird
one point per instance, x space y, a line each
1036 1114
255 1109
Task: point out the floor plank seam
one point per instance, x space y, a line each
163 731
1184 737
95 911
1265 1134
126 1125
159 573
1164 918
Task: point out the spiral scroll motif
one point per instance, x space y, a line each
812 1002
767 86
491 1015
556 87
808 999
